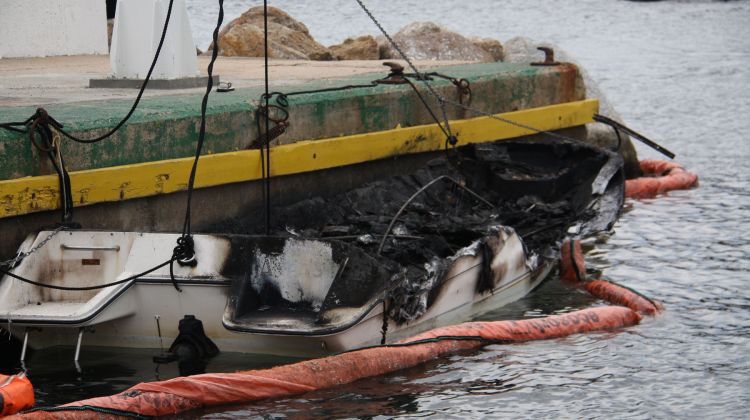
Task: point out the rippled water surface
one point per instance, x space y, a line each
677 71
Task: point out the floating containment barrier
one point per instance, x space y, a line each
573 270
659 177
186 393
16 394
572 264
621 295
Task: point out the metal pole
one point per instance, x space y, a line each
78 344
25 344
158 330
267 185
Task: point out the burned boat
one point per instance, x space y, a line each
471 231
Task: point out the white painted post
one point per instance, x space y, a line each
135 38
39 28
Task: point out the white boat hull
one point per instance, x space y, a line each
129 319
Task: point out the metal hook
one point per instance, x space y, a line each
549 57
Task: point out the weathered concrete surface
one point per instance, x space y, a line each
166 126
172 84
31 82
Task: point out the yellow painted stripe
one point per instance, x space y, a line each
33 194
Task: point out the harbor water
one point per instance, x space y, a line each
677 71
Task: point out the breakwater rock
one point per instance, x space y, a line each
360 48
288 38
429 41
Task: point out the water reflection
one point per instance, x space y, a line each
100 371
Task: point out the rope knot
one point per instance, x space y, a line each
184 252
40 116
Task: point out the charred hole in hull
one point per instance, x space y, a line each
486 280
308 283
537 188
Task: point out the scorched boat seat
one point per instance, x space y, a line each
303 286
70 259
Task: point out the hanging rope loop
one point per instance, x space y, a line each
184 252
276 113
39 123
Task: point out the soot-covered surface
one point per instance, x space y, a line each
538 188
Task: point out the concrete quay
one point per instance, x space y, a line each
165 124
136 179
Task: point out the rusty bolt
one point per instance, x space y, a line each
396 68
549 57
396 76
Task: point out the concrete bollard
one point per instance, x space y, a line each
136 34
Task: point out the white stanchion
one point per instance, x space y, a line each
137 30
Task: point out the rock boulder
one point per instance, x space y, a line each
361 48
428 41
288 38
492 46
523 50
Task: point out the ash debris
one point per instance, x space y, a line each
538 188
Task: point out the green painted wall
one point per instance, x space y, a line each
166 127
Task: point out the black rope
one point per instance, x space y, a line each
186 228
619 139
14 126
103 410
485 341
634 291
264 139
463 85
281 98
97 287
39 124
184 252
640 137
266 166
384 328
539 230
331 89
59 127
64 185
